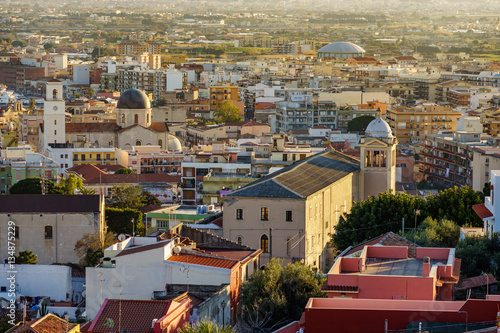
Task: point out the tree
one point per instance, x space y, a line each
119 221
48 46
33 186
161 102
276 295
26 257
359 124
206 326
126 196
125 171
377 215
71 184
90 91
148 199
32 103
480 255
434 233
90 247
227 112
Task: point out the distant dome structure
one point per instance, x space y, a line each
133 99
378 128
341 50
173 144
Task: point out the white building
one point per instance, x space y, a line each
81 74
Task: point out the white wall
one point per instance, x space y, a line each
39 280
81 74
173 81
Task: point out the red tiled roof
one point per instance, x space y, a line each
134 178
476 281
88 171
53 80
129 315
482 211
47 324
203 261
228 253
91 127
159 127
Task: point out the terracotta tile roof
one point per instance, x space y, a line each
84 328
388 239
228 253
143 248
53 80
159 127
320 127
50 203
476 281
482 211
87 171
91 127
203 261
47 324
136 315
134 178
264 106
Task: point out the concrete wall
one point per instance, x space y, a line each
138 281
67 229
53 281
216 308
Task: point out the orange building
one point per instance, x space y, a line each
223 93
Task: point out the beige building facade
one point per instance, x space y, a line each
49 225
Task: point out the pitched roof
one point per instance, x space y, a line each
137 249
159 127
482 211
91 127
49 203
129 315
476 281
302 178
203 261
47 324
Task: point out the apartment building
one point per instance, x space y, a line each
154 82
138 48
448 157
412 124
221 93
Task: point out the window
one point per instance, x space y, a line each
288 247
240 240
160 143
136 119
55 122
138 143
83 157
264 214
403 165
108 156
16 232
98 157
3 289
62 155
55 132
48 232
264 243
123 118
239 214
289 216
162 224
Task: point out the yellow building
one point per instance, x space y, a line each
223 93
412 124
94 156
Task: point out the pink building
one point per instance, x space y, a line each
389 272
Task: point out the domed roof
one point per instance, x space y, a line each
133 99
342 47
173 143
378 128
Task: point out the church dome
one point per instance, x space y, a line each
173 143
342 47
341 50
378 128
133 99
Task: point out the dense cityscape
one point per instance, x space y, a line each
230 166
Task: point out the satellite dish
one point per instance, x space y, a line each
177 249
121 237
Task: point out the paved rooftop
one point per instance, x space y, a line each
401 267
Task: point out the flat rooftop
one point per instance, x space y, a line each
399 267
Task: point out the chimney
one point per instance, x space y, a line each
426 269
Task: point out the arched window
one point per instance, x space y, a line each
123 119
288 247
264 243
240 240
136 118
54 94
48 232
138 143
160 143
